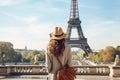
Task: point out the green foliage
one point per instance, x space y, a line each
118 50
17 57
24 57
7 48
97 57
29 57
106 55
41 56
81 54
12 55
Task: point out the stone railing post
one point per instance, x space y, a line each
8 70
115 68
111 71
115 71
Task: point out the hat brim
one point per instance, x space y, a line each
52 36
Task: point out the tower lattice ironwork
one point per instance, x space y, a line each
75 23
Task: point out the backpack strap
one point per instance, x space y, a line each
59 61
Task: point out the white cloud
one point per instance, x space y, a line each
9 15
5 2
102 33
34 36
30 19
10 2
26 19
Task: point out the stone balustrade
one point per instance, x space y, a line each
41 70
3 70
115 71
92 70
26 70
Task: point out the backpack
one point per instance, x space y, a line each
66 72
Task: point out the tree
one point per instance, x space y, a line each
81 54
98 57
41 56
24 56
108 54
117 50
90 55
32 54
95 56
7 48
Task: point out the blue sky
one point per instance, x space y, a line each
29 22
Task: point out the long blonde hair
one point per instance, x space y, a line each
56 47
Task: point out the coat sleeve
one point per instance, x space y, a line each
48 62
69 57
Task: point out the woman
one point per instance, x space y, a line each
57 47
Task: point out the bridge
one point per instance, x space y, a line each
40 71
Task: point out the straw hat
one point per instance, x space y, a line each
57 34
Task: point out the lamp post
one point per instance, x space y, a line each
14 57
3 58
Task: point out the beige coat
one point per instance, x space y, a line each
52 63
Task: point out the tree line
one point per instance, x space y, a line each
105 55
9 54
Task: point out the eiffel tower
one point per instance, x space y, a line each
74 23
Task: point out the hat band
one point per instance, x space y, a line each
59 35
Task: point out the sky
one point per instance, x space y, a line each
29 22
